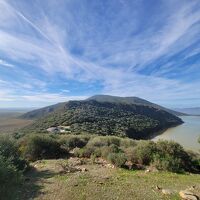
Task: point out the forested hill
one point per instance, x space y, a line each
133 100
38 113
107 118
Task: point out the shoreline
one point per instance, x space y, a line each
160 132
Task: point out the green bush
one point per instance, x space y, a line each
85 152
105 151
143 152
117 159
40 147
127 142
195 161
72 141
9 150
171 156
100 141
167 163
10 179
164 155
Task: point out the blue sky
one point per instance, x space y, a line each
53 51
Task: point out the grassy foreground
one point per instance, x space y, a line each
46 181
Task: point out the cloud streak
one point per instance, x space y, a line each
123 52
6 64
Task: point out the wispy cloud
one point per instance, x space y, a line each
6 64
123 52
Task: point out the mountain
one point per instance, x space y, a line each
133 100
91 116
42 112
189 111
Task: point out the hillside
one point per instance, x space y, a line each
38 113
133 100
106 118
42 112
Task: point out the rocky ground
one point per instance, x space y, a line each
80 179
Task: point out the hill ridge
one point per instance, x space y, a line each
106 118
42 112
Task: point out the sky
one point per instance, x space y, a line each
53 51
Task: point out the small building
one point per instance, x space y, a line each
53 130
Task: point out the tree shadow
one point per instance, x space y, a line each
34 183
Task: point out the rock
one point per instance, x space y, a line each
75 161
151 169
110 166
84 170
158 188
129 164
167 191
164 191
192 187
188 195
106 177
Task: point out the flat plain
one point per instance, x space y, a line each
10 122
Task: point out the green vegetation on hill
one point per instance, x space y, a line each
105 118
42 112
132 100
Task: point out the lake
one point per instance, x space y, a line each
186 134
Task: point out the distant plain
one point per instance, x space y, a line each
10 121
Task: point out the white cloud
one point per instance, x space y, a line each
47 47
6 64
51 97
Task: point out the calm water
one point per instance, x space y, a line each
186 134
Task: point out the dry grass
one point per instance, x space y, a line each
99 182
9 122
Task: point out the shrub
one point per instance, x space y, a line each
117 159
85 152
164 155
127 142
143 152
195 161
10 179
167 163
97 152
71 141
9 150
100 141
105 151
114 140
38 147
171 156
